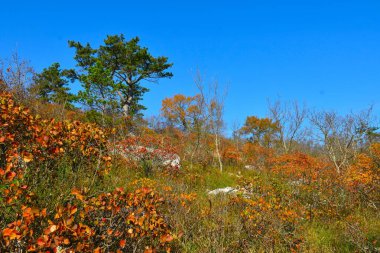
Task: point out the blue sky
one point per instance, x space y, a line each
324 53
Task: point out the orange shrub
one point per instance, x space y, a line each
28 140
109 222
299 166
270 215
31 146
363 176
257 155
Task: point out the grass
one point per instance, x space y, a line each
211 223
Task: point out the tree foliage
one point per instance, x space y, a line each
262 131
51 85
113 73
182 111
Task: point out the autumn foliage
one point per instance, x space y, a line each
270 215
109 222
70 186
363 176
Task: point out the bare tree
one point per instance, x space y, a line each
16 76
199 123
210 118
291 117
341 136
215 111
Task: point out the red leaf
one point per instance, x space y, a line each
122 243
40 242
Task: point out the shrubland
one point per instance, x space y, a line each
100 178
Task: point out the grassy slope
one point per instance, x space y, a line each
212 225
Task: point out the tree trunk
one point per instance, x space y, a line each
218 153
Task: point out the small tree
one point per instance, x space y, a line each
16 76
51 85
290 117
182 111
342 136
261 131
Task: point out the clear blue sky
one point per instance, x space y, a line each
322 52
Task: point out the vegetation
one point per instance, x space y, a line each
81 179
111 75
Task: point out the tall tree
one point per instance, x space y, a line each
215 110
98 93
126 65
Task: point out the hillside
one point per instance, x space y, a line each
86 171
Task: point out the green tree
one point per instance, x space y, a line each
51 85
118 67
98 93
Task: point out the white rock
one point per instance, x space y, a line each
249 167
157 156
226 190
174 161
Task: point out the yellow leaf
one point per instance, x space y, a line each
27 157
53 228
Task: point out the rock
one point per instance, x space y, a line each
297 182
159 157
226 190
231 191
174 161
249 167
235 175
254 167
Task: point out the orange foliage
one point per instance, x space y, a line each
257 155
261 130
270 215
375 151
364 175
27 139
109 222
299 166
182 110
231 154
